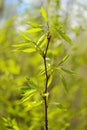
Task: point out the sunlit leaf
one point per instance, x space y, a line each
27 95
26 98
44 42
63 34
10 124
44 14
34 25
29 92
15 126
29 50
42 70
50 80
25 36
63 60
65 37
34 30
33 104
41 39
21 44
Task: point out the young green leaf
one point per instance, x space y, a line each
26 49
50 80
34 25
21 44
64 83
25 36
29 50
68 71
62 33
65 37
28 95
8 123
11 124
26 98
44 14
26 88
32 105
34 30
42 70
63 60
44 42
40 41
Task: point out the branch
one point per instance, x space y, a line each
46 74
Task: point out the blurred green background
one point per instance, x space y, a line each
15 67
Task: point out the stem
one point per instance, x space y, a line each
46 89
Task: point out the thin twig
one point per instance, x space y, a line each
46 89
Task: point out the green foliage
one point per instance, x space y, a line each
21 56
64 83
64 35
29 105
34 30
60 30
64 59
68 71
10 124
42 40
44 14
30 93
